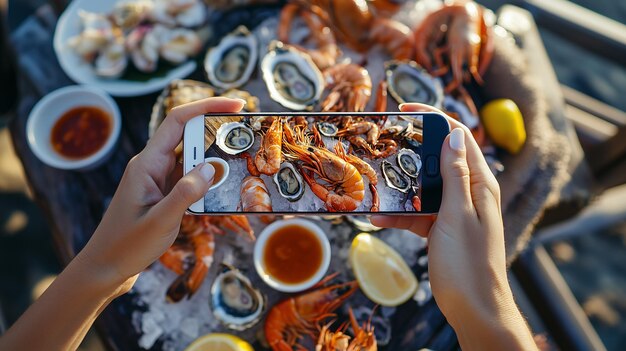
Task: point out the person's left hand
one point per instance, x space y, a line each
144 216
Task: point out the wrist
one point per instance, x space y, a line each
493 324
484 301
103 278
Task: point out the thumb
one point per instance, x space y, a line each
186 191
456 175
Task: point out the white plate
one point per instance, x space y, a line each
81 72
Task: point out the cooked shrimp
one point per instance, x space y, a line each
269 156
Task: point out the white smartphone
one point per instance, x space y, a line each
307 163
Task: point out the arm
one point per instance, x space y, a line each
467 262
141 222
61 317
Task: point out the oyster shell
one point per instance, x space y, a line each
409 162
292 79
451 105
128 14
178 92
327 129
408 82
252 102
234 137
395 178
112 60
289 182
259 122
231 63
234 301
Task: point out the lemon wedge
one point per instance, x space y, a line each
504 124
383 276
219 342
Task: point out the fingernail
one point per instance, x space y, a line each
207 172
457 139
244 102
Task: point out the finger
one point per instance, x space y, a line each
170 132
185 192
478 167
419 225
417 107
455 172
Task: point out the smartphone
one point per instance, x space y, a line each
307 163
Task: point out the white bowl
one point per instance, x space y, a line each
81 72
226 170
48 111
259 249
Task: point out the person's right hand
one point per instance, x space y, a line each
467 261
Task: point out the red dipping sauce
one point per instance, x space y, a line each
81 132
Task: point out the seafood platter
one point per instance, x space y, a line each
131 47
207 283
302 56
372 163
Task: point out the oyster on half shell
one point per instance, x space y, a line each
327 129
231 63
408 82
409 162
234 137
292 79
234 301
394 178
289 182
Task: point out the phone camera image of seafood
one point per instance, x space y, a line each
315 163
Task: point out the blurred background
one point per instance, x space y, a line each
570 282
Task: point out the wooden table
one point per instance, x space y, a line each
74 202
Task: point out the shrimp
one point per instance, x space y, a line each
345 189
250 165
288 320
370 129
237 223
327 50
364 338
383 148
353 23
365 169
255 197
394 36
191 255
460 41
269 157
350 88
417 203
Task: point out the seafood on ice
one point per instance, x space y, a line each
294 317
191 255
330 163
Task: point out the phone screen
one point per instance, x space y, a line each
311 163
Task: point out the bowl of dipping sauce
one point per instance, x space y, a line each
74 128
292 255
222 169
